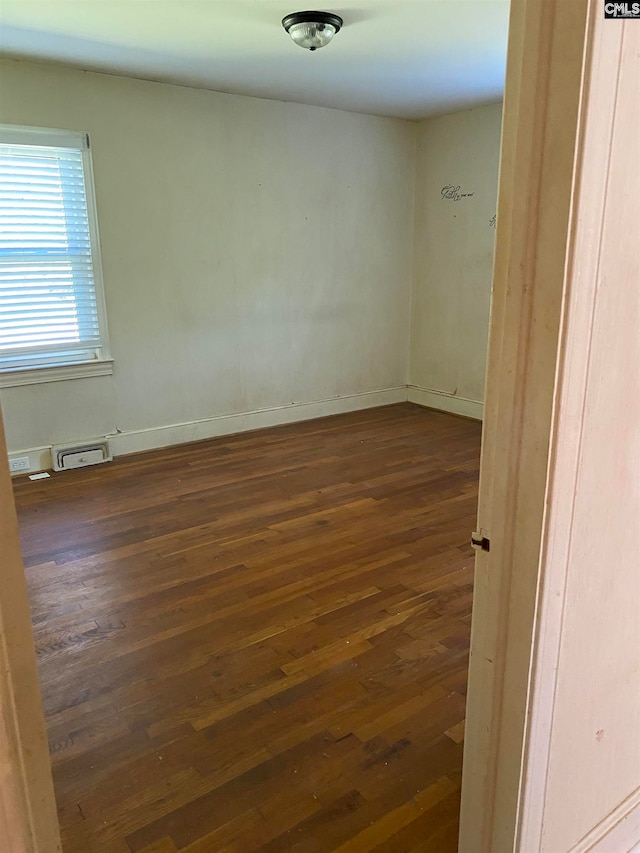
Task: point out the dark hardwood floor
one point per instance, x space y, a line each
259 642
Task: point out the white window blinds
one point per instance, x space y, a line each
50 311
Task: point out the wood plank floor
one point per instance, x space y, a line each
259 643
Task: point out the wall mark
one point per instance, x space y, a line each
452 193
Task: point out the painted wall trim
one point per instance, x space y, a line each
56 373
616 831
134 441
40 459
433 399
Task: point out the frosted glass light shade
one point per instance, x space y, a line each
312 36
312 30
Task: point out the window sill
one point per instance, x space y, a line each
55 373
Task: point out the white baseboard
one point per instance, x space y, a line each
150 439
445 402
39 459
134 441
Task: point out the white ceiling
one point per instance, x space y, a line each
406 58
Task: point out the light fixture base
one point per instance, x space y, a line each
312 29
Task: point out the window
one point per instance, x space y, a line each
52 318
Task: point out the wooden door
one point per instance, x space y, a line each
28 819
552 750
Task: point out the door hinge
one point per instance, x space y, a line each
480 542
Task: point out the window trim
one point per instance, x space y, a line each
16 376
102 364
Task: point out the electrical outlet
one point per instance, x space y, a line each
20 463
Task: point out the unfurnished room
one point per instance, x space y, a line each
319 446
246 261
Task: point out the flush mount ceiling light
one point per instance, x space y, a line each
312 30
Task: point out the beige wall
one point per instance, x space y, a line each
453 258
259 260
255 254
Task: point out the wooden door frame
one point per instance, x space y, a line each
540 132
603 171
560 98
28 817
